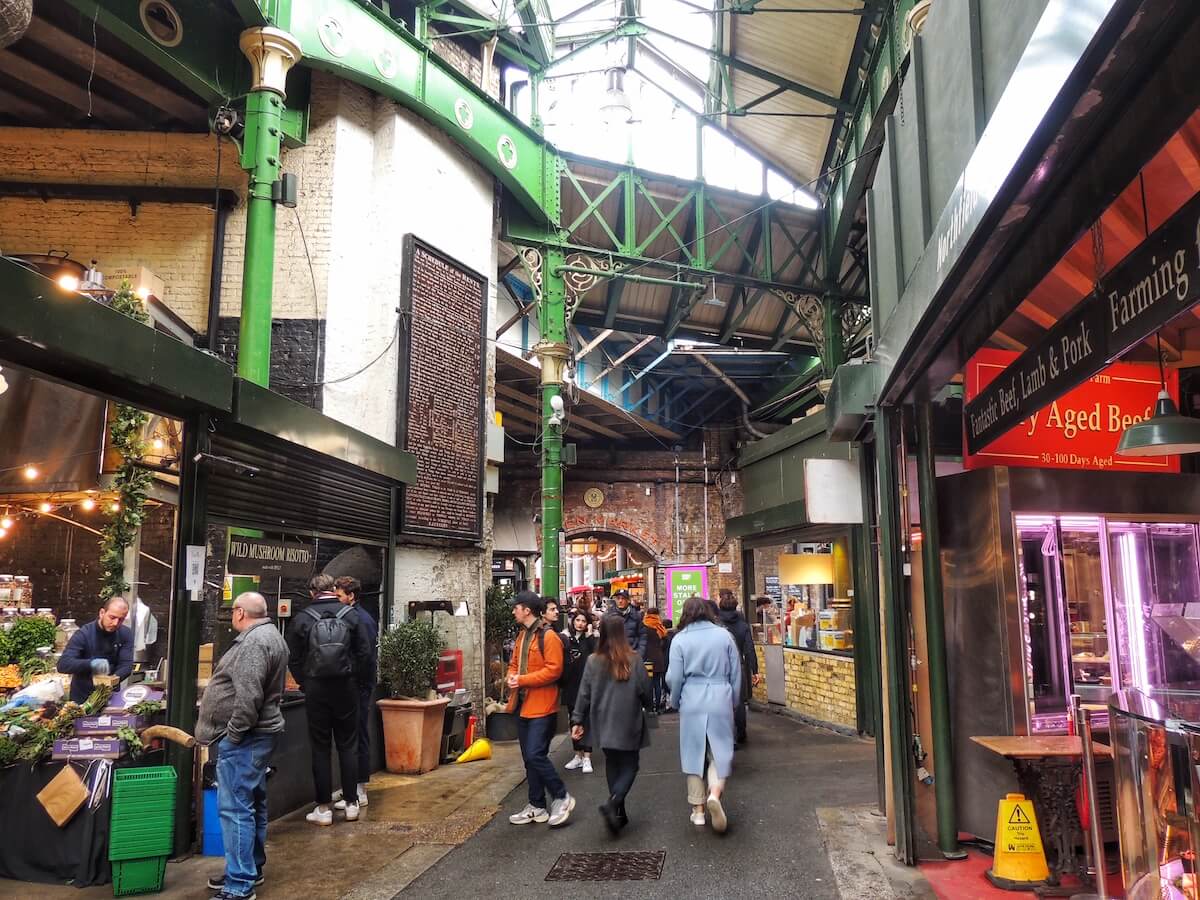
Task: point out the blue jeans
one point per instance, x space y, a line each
658 681
242 802
534 736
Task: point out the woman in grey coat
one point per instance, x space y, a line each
705 676
614 692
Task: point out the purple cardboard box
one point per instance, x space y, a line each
99 726
131 695
88 748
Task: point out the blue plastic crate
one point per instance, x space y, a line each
211 843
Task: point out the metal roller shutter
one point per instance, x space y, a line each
298 491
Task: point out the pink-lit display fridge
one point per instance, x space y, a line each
1057 583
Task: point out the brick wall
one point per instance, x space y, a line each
466 58
173 240
297 355
820 686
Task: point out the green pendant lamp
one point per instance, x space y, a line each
1166 433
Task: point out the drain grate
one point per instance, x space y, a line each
637 865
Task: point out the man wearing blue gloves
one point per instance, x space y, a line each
103 647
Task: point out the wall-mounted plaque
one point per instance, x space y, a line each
441 395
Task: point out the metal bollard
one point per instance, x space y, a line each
1089 775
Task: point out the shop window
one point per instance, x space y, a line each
804 596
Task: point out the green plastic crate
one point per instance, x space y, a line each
143 813
139 876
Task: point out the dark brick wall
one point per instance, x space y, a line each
63 562
294 347
645 519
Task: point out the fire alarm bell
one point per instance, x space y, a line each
285 608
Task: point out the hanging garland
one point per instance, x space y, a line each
132 479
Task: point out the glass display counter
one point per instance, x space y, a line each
1156 744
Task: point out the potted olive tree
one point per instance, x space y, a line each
412 714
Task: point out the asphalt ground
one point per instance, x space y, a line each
774 847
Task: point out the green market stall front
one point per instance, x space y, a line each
805 586
228 431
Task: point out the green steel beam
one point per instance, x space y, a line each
553 327
539 32
361 44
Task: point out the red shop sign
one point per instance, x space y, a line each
1079 430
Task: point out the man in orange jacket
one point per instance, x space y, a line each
533 674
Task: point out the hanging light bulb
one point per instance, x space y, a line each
87 504
45 507
68 282
3 382
159 444
114 507
3 532
6 522
30 473
616 108
1165 433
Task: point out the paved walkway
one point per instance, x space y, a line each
776 844
800 805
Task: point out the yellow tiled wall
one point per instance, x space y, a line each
818 685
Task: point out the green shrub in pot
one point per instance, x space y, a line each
408 658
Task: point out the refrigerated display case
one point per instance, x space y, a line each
1061 582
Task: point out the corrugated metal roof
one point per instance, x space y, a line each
812 49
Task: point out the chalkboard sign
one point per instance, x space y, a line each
441 393
772 588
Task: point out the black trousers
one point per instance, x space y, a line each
620 768
332 706
364 733
739 722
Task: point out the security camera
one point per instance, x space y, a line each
555 420
227 123
556 403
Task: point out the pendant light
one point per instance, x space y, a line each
1165 433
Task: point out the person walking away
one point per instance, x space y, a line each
533 675
241 719
704 676
580 645
735 623
656 665
103 647
635 631
612 696
328 648
347 589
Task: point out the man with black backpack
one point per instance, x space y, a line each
329 648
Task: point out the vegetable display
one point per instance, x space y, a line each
25 637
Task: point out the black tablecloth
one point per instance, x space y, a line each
33 848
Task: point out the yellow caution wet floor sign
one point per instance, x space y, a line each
1020 862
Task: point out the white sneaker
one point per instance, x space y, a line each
320 817
575 763
587 766
529 814
351 812
698 819
560 810
362 795
719 822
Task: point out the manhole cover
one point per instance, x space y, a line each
638 865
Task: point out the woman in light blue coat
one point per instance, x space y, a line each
705 676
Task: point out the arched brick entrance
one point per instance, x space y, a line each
615 536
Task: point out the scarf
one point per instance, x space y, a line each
653 621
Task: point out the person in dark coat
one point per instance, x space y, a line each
669 624
103 647
656 664
580 645
612 696
348 589
735 623
635 631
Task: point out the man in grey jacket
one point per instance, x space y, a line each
241 719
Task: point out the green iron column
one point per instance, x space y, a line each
553 352
935 638
895 630
272 52
833 351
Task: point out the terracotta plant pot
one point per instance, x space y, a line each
412 734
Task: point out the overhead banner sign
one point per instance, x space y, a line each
1156 282
1080 429
277 559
